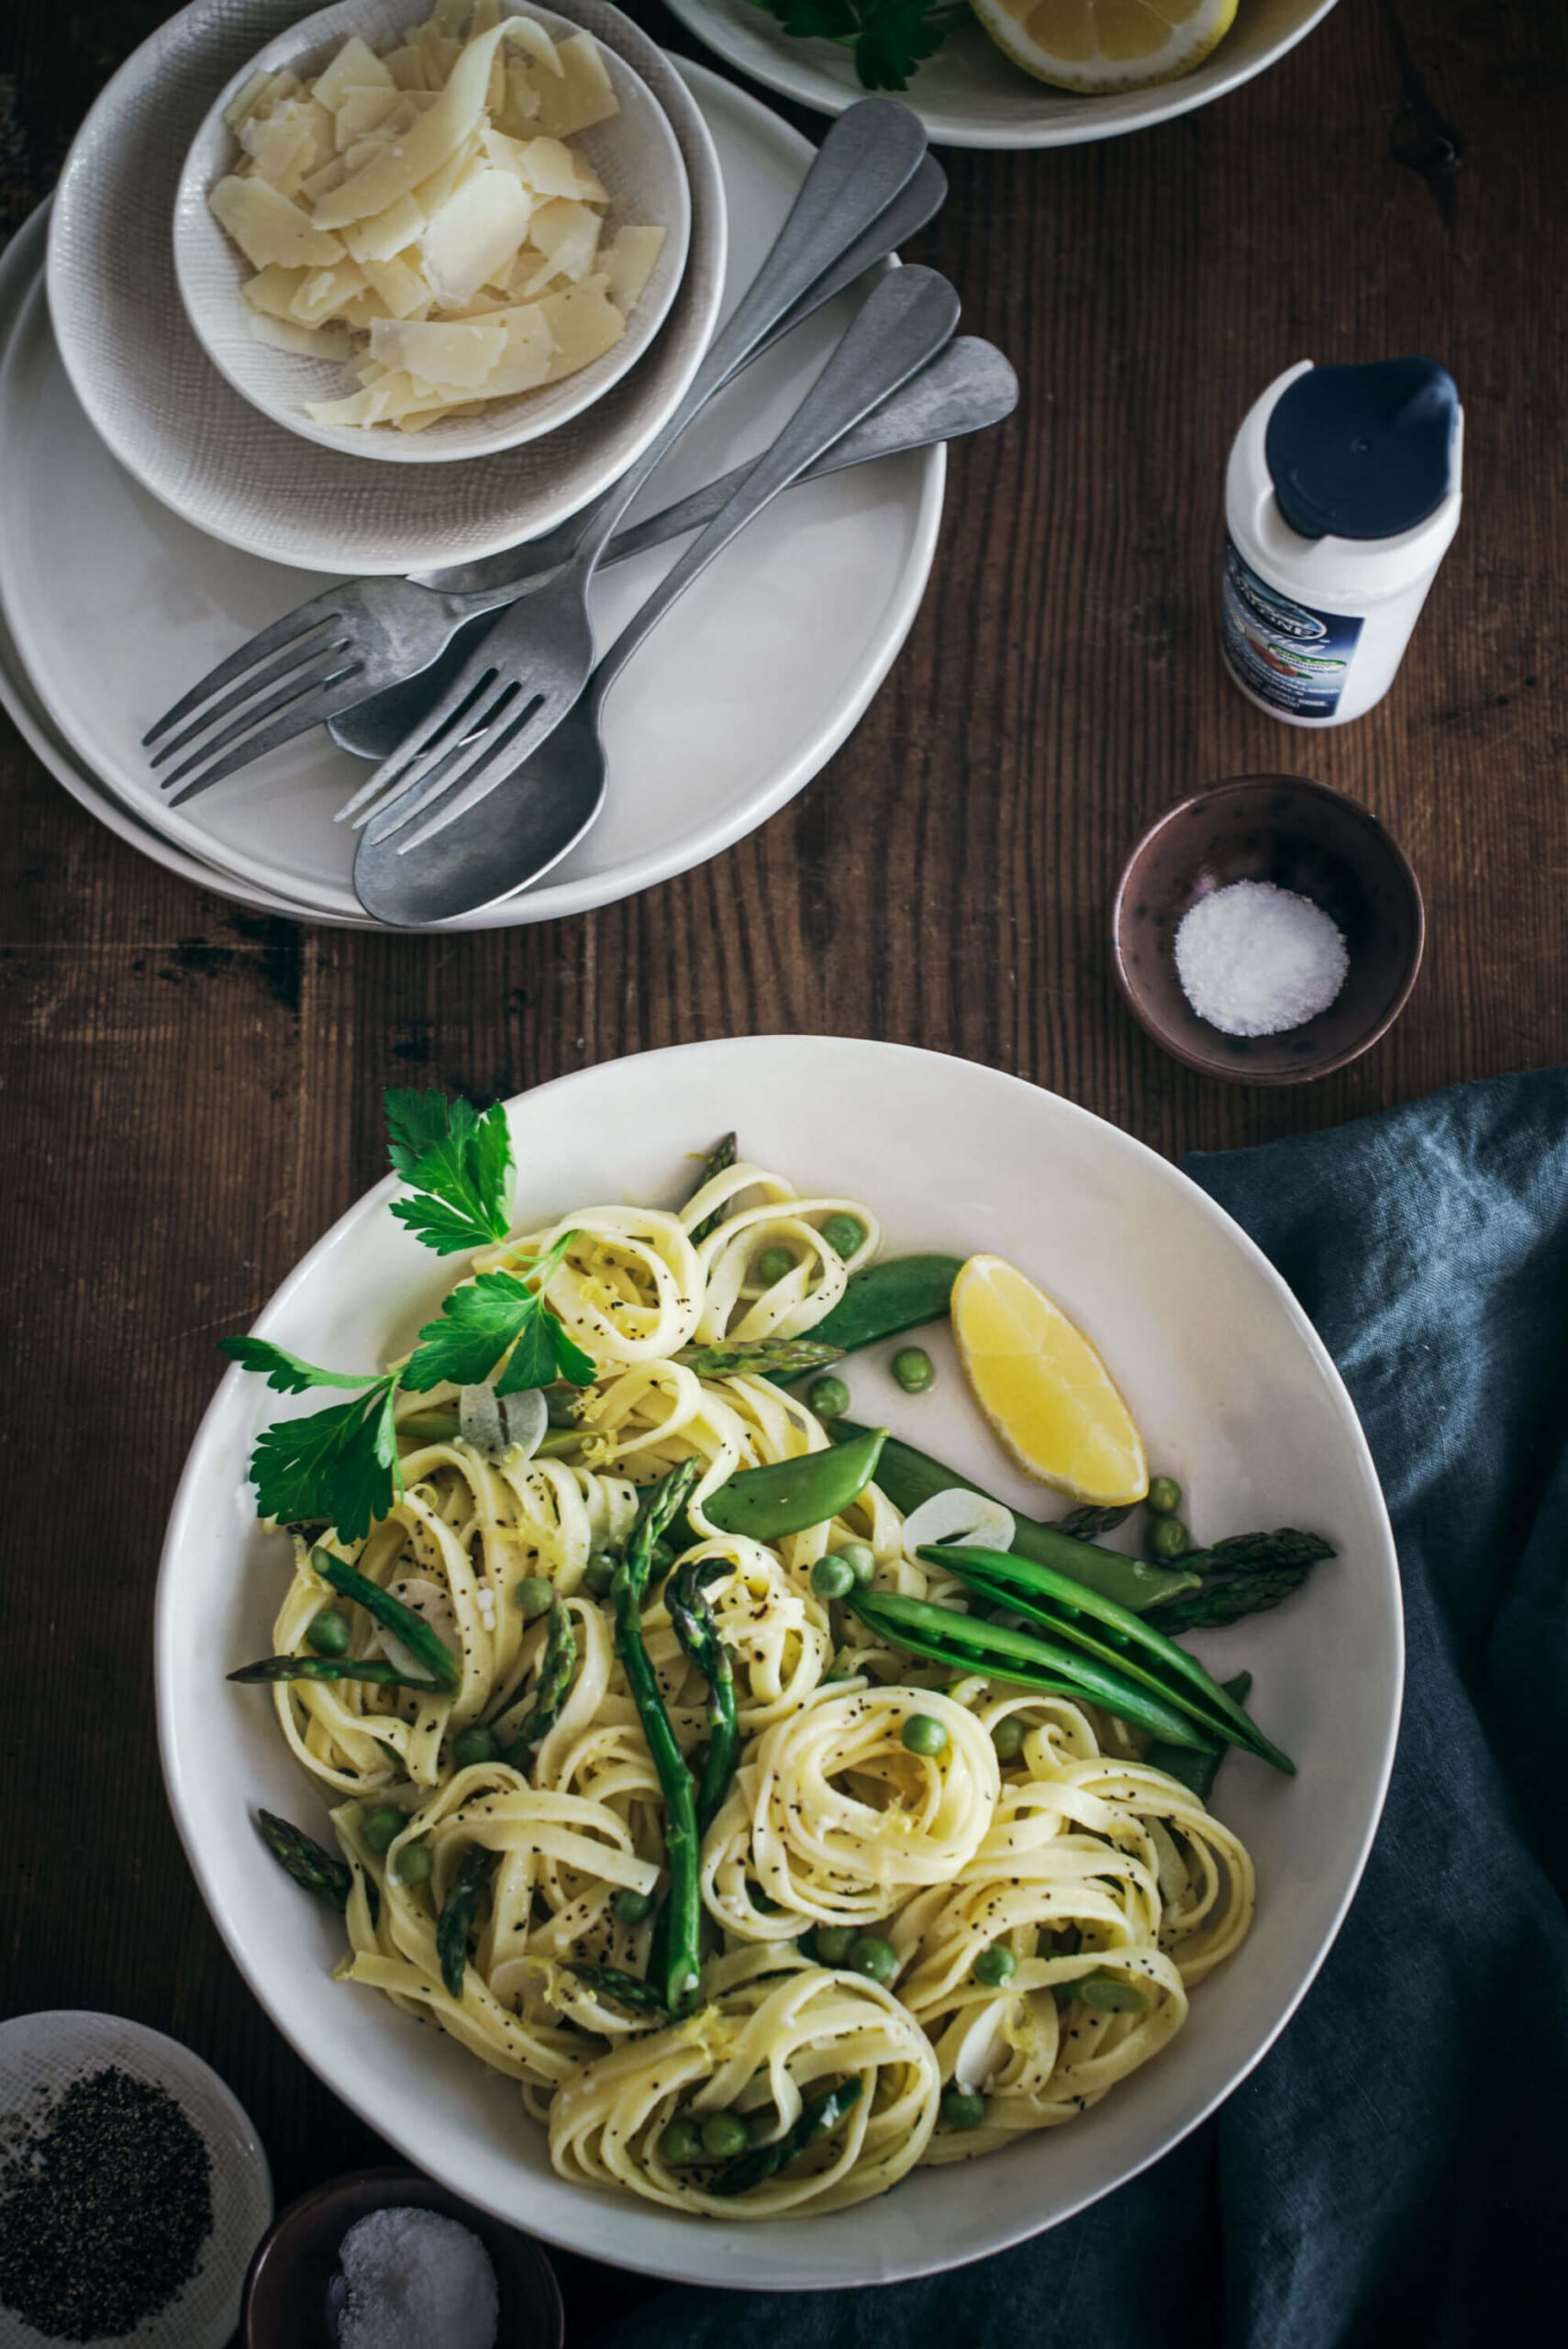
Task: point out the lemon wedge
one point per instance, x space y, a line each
1044 1389
1099 45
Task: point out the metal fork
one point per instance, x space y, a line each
530 668
359 640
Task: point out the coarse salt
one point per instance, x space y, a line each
413 2280
1254 960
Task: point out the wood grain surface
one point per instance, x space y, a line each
191 1093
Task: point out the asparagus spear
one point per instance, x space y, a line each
887 1298
781 1358
675 1980
556 1668
307 1861
1244 1575
456 1920
723 1154
818 2114
694 1626
1083 1524
1250 1552
628 1990
391 1614
335 1667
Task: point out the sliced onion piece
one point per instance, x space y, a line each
498 1425
958 1516
983 2047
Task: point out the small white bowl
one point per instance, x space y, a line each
635 154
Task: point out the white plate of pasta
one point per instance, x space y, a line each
750 1868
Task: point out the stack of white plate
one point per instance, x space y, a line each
151 519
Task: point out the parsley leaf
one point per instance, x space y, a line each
339 1465
489 1315
288 1373
457 1161
889 38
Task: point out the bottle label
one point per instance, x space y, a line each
1292 657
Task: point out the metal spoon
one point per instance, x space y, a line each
542 807
963 389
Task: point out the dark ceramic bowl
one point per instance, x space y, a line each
286 2291
1301 836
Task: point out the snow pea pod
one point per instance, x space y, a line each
886 1299
910 1477
792 1496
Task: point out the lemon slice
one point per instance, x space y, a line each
1044 1389
1096 46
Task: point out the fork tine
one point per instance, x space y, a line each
300 622
465 740
489 763
299 706
446 724
289 664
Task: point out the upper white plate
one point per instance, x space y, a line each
47 2052
970 95
188 436
1236 1398
747 689
636 155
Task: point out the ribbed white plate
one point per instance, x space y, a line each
44 2052
188 436
116 607
969 95
1236 1398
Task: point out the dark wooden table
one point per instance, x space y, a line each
191 1093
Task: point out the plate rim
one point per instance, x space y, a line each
808 87
677 2267
680 853
430 558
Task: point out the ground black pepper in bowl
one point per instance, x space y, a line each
106 2200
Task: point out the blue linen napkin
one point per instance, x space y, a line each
1393 2171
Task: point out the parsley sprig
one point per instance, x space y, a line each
889 37
338 1466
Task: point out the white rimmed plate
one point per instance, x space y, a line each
760 674
160 404
1236 1398
969 95
42 2053
635 153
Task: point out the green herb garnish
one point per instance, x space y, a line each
888 39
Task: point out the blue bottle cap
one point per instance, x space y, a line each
1363 453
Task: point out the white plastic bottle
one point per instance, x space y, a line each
1341 498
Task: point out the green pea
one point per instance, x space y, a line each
924 1734
860 1558
1110 1993
834 1943
328 1632
382 1826
871 1955
831 1578
913 1369
630 1907
1164 1497
474 1743
724 2136
1007 1737
1168 1538
533 1596
844 1233
679 2143
829 1398
961 2109
413 1863
995 1965
598 1575
775 1265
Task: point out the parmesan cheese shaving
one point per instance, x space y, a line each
422 217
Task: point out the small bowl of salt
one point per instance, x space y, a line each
1267 929
386 2259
